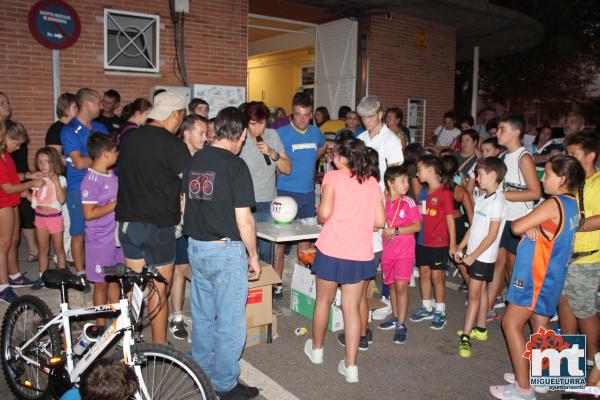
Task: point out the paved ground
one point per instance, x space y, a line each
426 367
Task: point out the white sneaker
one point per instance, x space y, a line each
509 377
315 355
416 272
383 312
350 373
412 283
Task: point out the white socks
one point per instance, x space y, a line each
440 307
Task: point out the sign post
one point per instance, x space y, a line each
55 25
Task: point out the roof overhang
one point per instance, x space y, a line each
498 31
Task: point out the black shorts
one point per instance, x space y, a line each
509 240
481 271
435 258
155 245
26 214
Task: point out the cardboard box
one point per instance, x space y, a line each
258 334
304 294
259 308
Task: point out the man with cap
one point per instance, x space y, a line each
151 161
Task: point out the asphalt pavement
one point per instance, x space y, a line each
427 366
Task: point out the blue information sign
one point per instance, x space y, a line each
54 24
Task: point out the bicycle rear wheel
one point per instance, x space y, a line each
169 374
21 322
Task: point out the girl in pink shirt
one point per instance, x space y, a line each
47 202
351 208
403 220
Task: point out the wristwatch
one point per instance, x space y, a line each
277 157
396 231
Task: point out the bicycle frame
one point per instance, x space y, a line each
121 324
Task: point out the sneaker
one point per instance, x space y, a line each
463 287
315 355
500 302
86 284
439 321
554 318
277 292
38 284
363 344
422 314
178 329
400 334
8 295
475 334
383 312
240 391
369 336
21 281
493 316
511 392
413 282
350 373
389 324
464 346
509 377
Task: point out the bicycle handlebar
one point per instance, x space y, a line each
121 271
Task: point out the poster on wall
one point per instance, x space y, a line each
219 97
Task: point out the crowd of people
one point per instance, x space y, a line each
510 206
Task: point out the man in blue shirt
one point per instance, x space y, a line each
74 136
304 144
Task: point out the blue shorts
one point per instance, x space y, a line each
342 271
148 242
305 201
181 251
77 227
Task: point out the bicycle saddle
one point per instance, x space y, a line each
59 277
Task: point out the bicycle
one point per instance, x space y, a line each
37 367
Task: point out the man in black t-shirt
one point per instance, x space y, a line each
151 160
218 197
66 109
110 102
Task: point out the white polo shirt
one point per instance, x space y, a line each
487 209
388 147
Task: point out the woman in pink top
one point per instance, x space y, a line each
351 208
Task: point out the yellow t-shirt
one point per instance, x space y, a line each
332 126
588 241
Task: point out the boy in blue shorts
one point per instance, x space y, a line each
74 136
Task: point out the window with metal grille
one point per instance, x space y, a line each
416 120
131 41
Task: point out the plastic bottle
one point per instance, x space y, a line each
88 335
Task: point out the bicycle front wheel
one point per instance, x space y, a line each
22 320
166 373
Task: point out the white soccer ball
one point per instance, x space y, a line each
284 209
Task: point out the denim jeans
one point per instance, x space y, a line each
219 292
262 213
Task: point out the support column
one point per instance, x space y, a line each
475 83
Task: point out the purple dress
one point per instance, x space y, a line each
100 243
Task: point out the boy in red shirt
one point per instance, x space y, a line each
435 241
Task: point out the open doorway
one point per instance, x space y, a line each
281 59
287 56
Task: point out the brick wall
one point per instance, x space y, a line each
399 71
216 53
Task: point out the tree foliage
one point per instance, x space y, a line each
561 66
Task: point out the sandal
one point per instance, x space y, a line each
32 257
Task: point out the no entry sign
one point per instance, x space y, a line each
54 24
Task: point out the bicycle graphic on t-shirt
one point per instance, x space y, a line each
201 185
